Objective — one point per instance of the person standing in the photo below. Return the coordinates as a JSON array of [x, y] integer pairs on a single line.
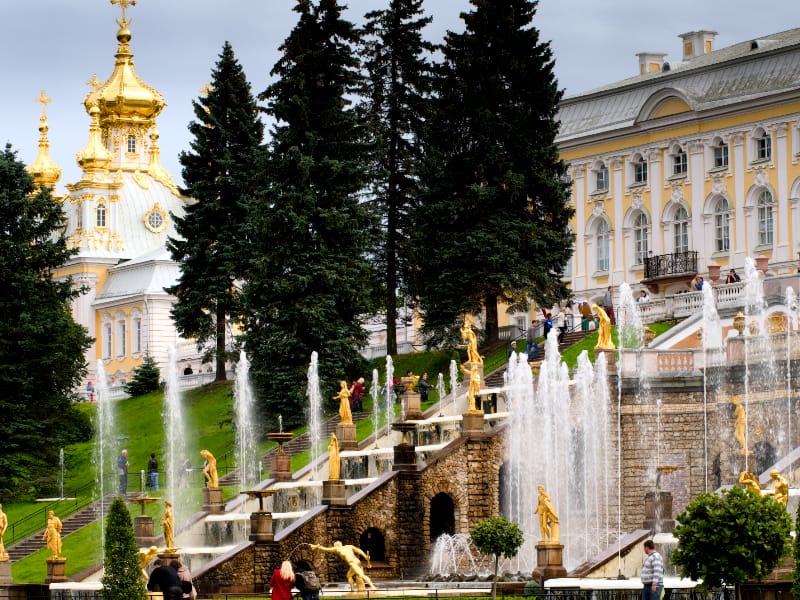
[[122, 472], [152, 472], [643, 297], [357, 395], [608, 304], [512, 350], [586, 315], [165, 579], [424, 388], [530, 337], [652, 572], [185, 576], [733, 277], [282, 581]]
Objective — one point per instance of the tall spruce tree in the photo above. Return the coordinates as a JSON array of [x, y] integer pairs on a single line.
[[398, 91], [42, 349], [220, 173], [493, 225], [122, 578], [310, 284]]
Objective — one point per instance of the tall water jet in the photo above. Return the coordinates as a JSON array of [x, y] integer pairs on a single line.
[[440, 390], [453, 387], [390, 393], [105, 446], [175, 431], [244, 411], [314, 416], [712, 352], [375, 394]]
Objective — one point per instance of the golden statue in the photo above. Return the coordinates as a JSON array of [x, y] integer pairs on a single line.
[[348, 554], [781, 490], [750, 481], [740, 425], [144, 559], [52, 534], [474, 387], [334, 466], [345, 416], [472, 344], [3, 527], [604, 341], [168, 527], [548, 519], [210, 469]]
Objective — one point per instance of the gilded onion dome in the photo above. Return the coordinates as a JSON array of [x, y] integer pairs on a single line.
[[44, 171], [94, 156], [125, 98]]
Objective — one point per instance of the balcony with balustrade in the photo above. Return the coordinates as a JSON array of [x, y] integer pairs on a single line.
[[668, 268]]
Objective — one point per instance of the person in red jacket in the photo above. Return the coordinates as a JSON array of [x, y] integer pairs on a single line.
[[357, 390], [282, 581]]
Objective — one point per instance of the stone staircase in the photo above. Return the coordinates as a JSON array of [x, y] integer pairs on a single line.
[[85, 516]]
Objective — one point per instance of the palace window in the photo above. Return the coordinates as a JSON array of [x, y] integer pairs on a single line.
[[100, 215], [765, 216], [722, 226], [107, 340], [121, 331], [641, 233], [640, 171], [601, 178], [680, 163], [763, 146], [720, 155], [680, 230], [603, 246], [131, 143], [136, 335]]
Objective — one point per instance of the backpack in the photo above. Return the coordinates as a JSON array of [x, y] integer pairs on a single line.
[[307, 581]]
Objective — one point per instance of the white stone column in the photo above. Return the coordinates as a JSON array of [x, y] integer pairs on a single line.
[[782, 249], [739, 158]]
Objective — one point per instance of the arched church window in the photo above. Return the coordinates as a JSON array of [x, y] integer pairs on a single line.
[[100, 215], [131, 143]]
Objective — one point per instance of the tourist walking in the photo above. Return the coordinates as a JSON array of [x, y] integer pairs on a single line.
[[282, 581], [152, 472], [122, 472], [530, 337], [652, 572], [424, 388]]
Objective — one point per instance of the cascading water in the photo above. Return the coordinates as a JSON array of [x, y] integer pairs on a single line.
[[105, 446], [314, 416], [791, 326], [175, 431], [244, 410], [712, 351]]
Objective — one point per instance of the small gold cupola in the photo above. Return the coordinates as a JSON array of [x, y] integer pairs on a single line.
[[95, 156], [44, 171]]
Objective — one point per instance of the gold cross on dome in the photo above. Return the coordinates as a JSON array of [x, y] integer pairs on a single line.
[[94, 82], [123, 4], [43, 100]]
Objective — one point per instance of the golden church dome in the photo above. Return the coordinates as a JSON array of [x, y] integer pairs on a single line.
[[44, 171], [125, 97], [94, 156]]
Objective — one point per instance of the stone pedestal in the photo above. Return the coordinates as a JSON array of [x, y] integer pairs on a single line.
[[143, 530], [346, 435], [56, 570], [405, 458], [412, 406], [282, 466], [261, 527], [472, 422], [334, 493], [549, 561], [611, 359], [212, 500], [5, 572], [658, 512]]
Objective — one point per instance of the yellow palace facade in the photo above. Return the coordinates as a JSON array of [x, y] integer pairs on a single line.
[[688, 167]]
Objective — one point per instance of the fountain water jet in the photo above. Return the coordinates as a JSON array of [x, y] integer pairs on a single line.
[[244, 409], [105, 446], [314, 416], [175, 432]]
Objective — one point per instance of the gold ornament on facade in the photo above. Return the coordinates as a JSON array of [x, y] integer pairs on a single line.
[[141, 179], [155, 219], [738, 322], [777, 323]]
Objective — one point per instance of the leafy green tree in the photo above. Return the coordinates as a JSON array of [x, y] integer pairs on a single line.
[[122, 577], [399, 86], [310, 284], [731, 537], [42, 349], [796, 555], [494, 220], [497, 536], [220, 173], [146, 377]]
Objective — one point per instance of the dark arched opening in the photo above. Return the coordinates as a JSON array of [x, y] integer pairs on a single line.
[[443, 519], [372, 542]]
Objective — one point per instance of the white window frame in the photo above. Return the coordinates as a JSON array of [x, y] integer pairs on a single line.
[[722, 225], [601, 178], [101, 215], [721, 155], [640, 171], [121, 337], [603, 239], [641, 238], [131, 144], [136, 335], [766, 218], [680, 230], [680, 163], [107, 339]]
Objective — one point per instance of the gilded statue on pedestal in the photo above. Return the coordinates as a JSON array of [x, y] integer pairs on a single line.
[[168, 527], [345, 416], [468, 335], [781, 490], [474, 386], [334, 465], [3, 527], [604, 341], [740, 425], [548, 519], [210, 469], [52, 534], [348, 554], [750, 481]]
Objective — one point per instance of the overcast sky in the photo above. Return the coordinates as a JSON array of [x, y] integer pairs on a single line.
[[57, 45]]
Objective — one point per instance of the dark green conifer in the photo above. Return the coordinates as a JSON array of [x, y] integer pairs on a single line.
[[122, 576]]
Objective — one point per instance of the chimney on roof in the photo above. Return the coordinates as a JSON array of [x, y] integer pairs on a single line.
[[650, 62], [697, 43]]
